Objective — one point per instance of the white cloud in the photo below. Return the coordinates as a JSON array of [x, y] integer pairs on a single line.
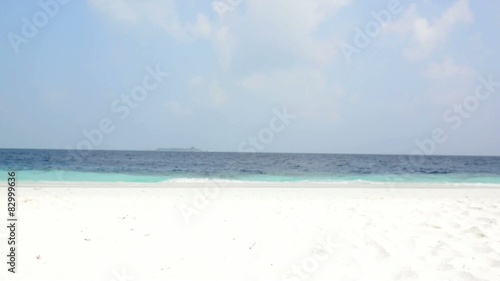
[[449, 82], [208, 92], [307, 92], [178, 109], [277, 26], [448, 70], [427, 35], [161, 14], [224, 45], [282, 54], [197, 81], [201, 28], [218, 96]]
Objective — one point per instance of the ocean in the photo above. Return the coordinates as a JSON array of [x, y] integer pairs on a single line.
[[157, 166]]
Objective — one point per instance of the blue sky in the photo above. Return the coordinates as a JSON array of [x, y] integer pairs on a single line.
[[412, 84]]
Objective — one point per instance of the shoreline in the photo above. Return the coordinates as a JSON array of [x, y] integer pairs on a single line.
[[255, 184]]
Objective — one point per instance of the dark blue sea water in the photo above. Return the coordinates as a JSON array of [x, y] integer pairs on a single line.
[[157, 166]]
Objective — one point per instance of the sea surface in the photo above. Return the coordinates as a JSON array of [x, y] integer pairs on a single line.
[[158, 166]]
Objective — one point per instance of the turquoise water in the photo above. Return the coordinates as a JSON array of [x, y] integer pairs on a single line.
[[72, 176]]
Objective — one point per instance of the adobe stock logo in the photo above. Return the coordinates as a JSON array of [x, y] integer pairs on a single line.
[[454, 117], [204, 196], [122, 108], [40, 19], [201, 200], [324, 250], [222, 7], [364, 37]]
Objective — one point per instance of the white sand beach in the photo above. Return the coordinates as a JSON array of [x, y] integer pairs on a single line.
[[170, 231]]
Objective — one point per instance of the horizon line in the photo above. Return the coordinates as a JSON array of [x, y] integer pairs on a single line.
[[257, 152]]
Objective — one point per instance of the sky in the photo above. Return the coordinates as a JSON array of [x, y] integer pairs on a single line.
[[314, 76]]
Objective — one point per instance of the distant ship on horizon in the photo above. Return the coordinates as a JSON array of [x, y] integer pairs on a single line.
[[191, 149]]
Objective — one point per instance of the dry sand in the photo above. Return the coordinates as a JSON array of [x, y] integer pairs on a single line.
[[236, 231]]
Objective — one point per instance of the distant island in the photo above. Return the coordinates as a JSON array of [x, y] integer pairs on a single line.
[[191, 149]]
